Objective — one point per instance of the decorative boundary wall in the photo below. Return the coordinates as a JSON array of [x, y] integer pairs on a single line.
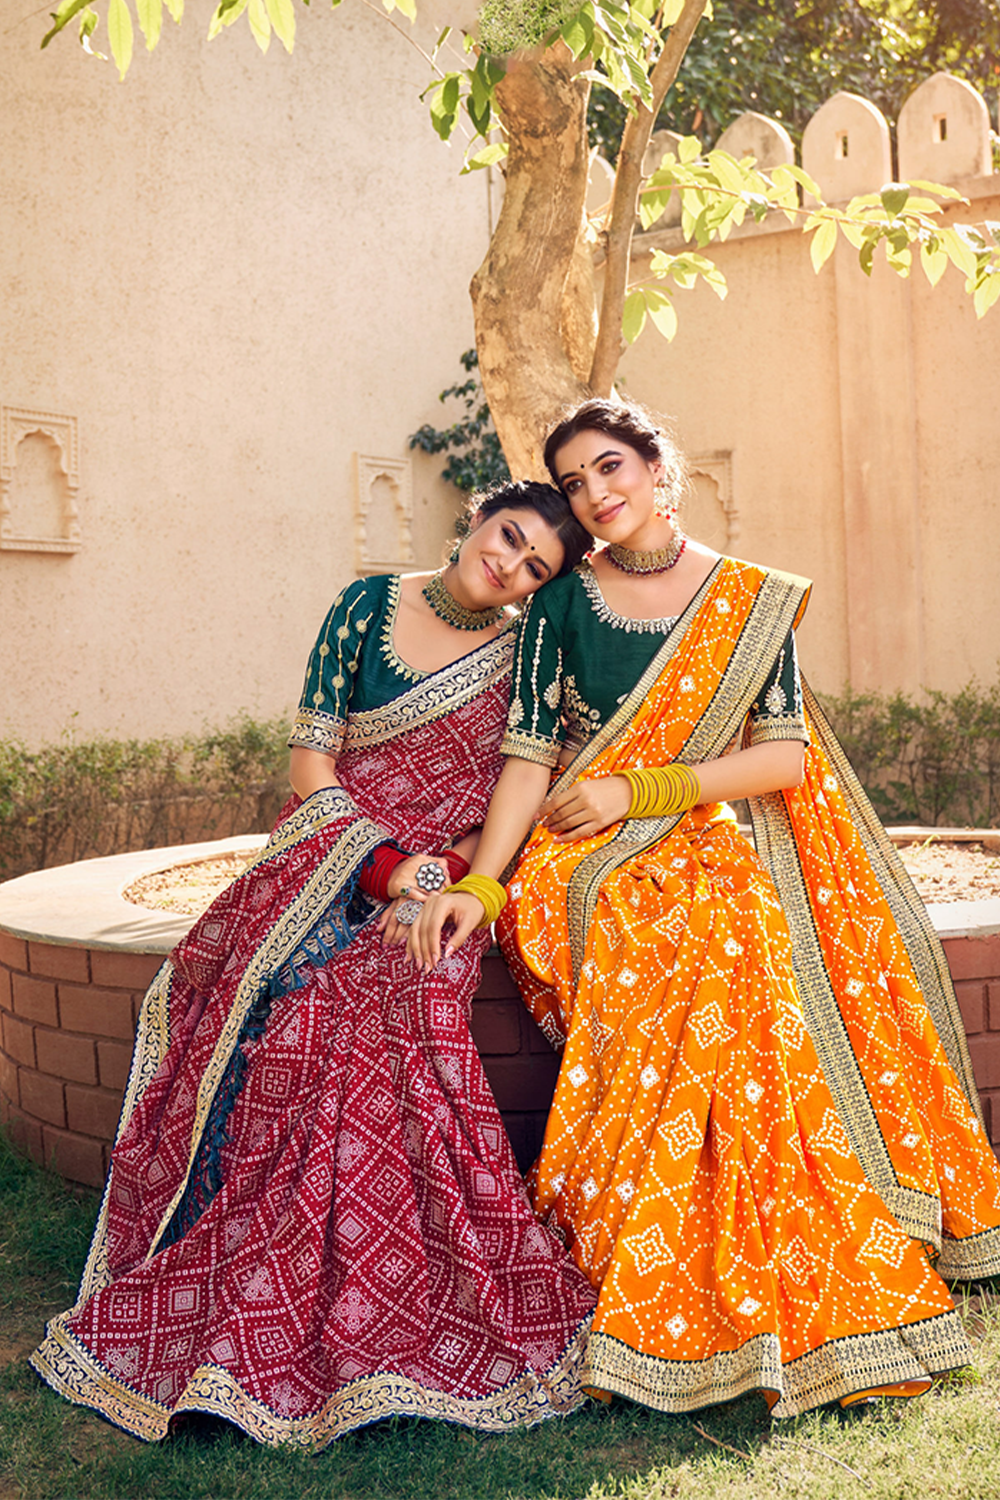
[[68, 1016]]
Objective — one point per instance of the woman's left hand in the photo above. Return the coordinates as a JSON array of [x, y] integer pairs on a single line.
[[403, 880], [587, 807], [394, 933]]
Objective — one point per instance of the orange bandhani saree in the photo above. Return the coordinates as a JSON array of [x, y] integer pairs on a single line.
[[765, 1131]]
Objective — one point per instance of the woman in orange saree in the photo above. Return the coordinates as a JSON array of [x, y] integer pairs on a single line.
[[765, 1146]]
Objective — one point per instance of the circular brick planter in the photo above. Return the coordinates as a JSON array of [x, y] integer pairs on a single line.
[[76, 958], [75, 962]]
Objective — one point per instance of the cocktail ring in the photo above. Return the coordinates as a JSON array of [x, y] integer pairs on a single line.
[[407, 913], [431, 877]]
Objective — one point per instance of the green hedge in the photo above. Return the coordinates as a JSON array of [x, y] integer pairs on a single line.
[[73, 800], [932, 761]]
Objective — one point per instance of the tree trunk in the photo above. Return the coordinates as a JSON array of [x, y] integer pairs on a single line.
[[533, 296]]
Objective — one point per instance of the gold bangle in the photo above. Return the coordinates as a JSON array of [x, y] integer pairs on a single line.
[[489, 892], [662, 791]]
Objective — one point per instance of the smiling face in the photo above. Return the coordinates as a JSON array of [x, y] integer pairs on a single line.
[[506, 556], [611, 488]]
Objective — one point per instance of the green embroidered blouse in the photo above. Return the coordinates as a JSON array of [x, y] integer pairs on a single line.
[[353, 667], [577, 660]]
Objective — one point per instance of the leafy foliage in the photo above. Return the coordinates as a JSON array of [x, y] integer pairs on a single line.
[[930, 761], [784, 58], [72, 801], [476, 459]]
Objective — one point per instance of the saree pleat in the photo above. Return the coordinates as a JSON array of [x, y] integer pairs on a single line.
[[313, 1218], [704, 1157]]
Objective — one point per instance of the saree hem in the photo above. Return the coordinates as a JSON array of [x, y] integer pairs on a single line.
[[842, 1367], [74, 1372]]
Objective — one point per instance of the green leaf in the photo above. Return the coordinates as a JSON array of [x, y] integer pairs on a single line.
[[664, 316], [260, 25], [823, 240], [651, 206], [938, 189], [408, 8], [958, 250], [150, 13], [282, 17], [633, 316], [689, 149], [986, 293], [62, 17], [866, 255], [578, 34], [176, 9], [444, 105], [226, 12], [894, 198], [488, 157], [120, 34]]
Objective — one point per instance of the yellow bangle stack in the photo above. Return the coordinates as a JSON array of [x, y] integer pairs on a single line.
[[490, 892], [659, 791]]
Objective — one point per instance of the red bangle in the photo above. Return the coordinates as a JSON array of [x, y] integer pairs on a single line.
[[374, 878], [457, 866]]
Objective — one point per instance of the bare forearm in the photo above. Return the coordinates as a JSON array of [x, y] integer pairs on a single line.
[[771, 767], [519, 794], [309, 771]]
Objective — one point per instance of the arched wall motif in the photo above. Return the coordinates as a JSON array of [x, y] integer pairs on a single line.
[[383, 514], [718, 467], [16, 424]]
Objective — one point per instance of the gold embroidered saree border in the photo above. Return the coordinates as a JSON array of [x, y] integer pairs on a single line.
[[433, 696], [358, 839], [921, 941], [776, 606], [918, 1213], [841, 1367], [70, 1368]]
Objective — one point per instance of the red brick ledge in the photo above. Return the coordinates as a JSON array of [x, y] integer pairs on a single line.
[[71, 986]]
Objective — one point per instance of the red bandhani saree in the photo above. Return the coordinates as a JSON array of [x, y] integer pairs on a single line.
[[765, 1130], [313, 1217]]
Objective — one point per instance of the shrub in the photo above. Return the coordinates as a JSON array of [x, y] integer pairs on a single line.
[[930, 761], [71, 801]]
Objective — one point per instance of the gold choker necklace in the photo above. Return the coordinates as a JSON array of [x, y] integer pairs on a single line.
[[659, 560], [448, 609]]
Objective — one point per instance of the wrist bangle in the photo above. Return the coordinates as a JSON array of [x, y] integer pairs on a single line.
[[487, 891], [458, 867], [374, 877], [661, 791]]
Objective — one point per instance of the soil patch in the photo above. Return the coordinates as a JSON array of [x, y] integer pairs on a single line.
[[940, 872]]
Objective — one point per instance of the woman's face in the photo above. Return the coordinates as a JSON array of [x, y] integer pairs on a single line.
[[609, 485], [507, 556]]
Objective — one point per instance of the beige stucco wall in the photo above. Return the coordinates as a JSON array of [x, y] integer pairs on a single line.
[[235, 273], [857, 417]]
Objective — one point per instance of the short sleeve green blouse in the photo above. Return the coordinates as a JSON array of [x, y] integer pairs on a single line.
[[352, 665], [577, 659]]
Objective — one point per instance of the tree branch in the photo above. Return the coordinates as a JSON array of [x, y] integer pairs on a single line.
[[625, 198]]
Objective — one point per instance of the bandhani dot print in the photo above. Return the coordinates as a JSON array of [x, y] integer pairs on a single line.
[[771, 1147]]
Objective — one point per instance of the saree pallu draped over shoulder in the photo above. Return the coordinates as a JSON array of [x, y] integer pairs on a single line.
[[765, 1127], [313, 1217]]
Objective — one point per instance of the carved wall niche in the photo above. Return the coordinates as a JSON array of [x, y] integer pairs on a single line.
[[39, 480], [709, 512], [383, 514]]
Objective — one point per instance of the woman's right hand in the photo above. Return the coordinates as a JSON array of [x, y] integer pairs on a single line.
[[424, 942]]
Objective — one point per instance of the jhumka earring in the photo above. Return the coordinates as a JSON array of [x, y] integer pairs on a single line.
[[664, 503]]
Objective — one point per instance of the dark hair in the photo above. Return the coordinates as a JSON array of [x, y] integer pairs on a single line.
[[630, 423], [546, 501]]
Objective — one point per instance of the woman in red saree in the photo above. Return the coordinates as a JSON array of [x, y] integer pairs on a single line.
[[765, 1147], [313, 1217]]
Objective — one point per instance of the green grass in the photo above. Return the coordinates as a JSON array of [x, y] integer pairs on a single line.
[[945, 1445]]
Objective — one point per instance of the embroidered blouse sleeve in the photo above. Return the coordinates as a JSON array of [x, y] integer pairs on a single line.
[[534, 731], [333, 664], [777, 714]]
